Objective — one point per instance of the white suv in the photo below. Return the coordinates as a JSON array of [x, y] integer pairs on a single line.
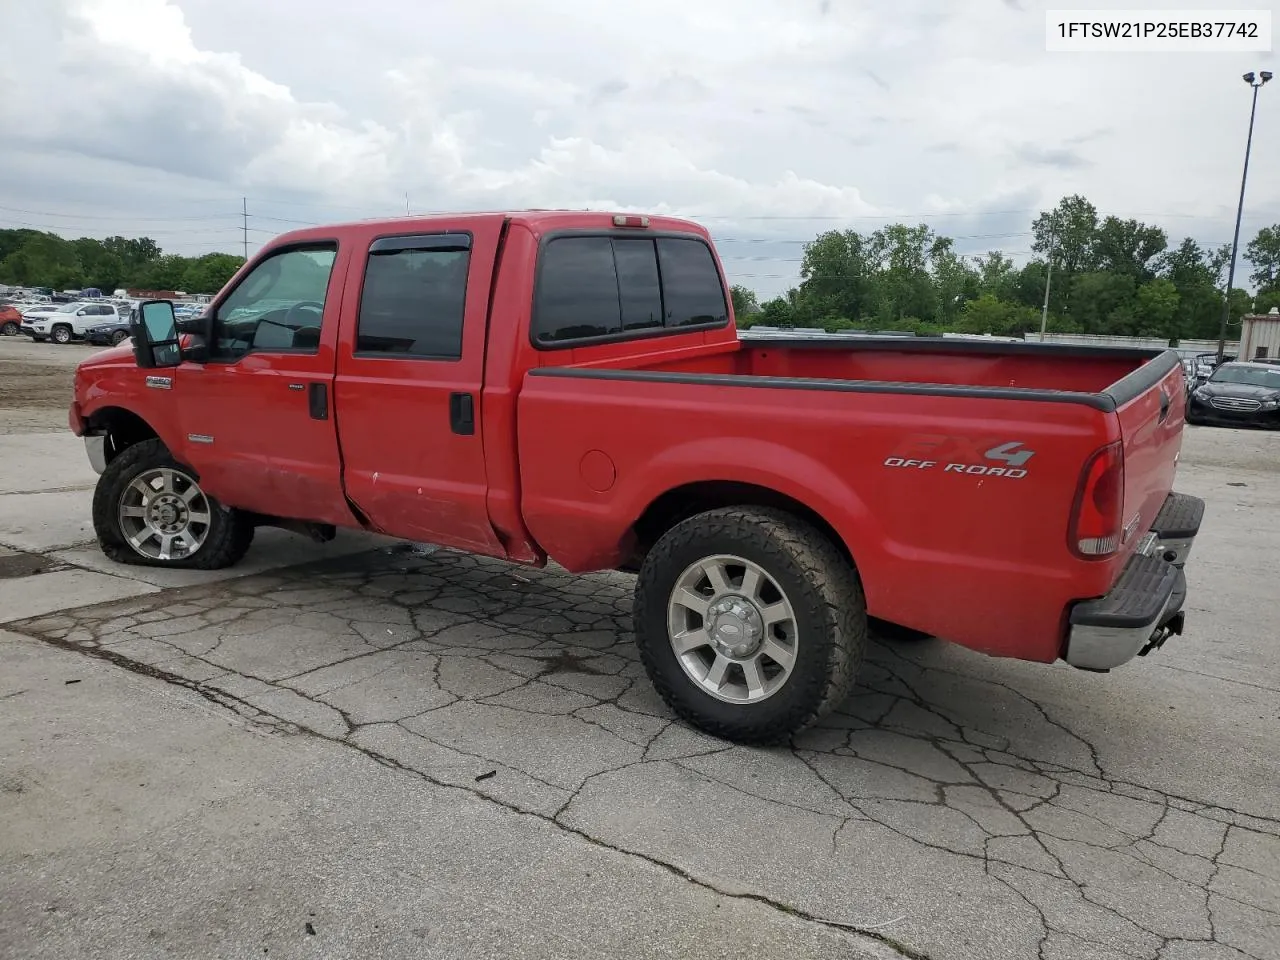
[[68, 322]]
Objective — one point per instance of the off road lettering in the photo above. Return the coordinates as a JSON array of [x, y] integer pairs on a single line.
[[971, 456]]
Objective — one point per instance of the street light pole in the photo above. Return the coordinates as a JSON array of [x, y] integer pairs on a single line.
[[1255, 83]]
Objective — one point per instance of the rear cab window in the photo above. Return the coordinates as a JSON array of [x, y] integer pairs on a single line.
[[601, 288]]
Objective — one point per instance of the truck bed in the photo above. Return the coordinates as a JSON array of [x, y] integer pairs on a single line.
[[914, 363], [886, 440]]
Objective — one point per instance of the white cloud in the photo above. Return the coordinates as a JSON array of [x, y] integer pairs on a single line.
[[729, 110]]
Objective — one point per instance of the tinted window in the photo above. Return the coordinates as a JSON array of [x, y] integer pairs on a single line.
[[412, 303], [577, 290], [597, 286], [638, 287], [690, 283], [277, 306]]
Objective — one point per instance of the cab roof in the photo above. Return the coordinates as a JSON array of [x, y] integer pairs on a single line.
[[537, 221]]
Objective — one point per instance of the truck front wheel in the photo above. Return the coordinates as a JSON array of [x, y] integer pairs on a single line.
[[750, 623], [149, 510]]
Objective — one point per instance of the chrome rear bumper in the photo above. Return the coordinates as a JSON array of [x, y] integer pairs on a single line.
[[1144, 606]]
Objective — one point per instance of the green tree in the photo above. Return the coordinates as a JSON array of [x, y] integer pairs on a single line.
[[1156, 309], [1070, 230], [166, 272], [1029, 283], [989, 314], [102, 268], [133, 253], [1263, 252], [835, 276], [1265, 300], [997, 276], [210, 273], [44, 260], [1194, 272], [904, 287], [1103, 302], [779, 312], [955, 282], [1127, 246]]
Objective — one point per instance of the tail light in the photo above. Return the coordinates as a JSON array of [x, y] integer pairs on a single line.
[[1097, 517]]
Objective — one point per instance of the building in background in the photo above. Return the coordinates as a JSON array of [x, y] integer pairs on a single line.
[[1260, 336]]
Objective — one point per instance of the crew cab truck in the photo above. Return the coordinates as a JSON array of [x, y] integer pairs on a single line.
[[570, 387]]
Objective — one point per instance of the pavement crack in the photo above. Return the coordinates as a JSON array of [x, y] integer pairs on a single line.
[[274, 722]]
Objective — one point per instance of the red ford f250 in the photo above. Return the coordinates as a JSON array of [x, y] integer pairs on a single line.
[[571, 387]]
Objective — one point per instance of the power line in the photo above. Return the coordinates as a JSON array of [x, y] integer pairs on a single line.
[[117, 218]]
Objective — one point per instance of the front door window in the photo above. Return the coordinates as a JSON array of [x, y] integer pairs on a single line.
[[277, 307]]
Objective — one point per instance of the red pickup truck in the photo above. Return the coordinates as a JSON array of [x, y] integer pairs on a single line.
[[570, 386]]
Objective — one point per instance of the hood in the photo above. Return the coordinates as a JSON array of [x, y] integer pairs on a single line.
[[117, 356]]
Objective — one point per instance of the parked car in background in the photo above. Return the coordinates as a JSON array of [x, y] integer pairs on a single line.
[[1238, 395], [10, 321], [110, 333], [67, 322], [31, 312]]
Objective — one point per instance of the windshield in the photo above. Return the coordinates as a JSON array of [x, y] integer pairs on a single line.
[[68, 308], [1254, 376]]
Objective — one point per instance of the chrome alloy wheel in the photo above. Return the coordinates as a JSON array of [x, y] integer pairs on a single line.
[[164, 514], [733, 629]]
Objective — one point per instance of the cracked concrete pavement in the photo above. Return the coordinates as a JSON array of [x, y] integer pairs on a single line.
[[430, 754]]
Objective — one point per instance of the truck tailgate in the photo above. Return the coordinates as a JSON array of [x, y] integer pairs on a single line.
[[1151, 422]]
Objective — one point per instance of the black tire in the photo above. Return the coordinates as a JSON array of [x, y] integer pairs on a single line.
[[10, 329], [118, 336], [230, 532], [61, 333], [824, 591]]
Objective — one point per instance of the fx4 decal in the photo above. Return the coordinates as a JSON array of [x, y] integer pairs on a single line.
[[971, 456]]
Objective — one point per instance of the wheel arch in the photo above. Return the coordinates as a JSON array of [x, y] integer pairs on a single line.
[[121, 427], [689, 499]]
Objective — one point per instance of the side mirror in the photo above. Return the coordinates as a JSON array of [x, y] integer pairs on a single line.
[[154, 330]]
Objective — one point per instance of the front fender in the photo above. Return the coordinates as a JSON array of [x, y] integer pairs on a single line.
[[116, 391]]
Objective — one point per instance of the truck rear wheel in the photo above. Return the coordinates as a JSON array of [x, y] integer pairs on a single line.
[[750, 623], [149, 510]]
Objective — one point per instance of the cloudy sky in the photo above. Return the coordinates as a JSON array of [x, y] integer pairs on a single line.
[[769, 120]]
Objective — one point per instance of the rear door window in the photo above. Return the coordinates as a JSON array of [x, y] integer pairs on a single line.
[[414, 297]]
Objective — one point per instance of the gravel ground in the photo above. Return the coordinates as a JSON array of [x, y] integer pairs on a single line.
[[35, 383]]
